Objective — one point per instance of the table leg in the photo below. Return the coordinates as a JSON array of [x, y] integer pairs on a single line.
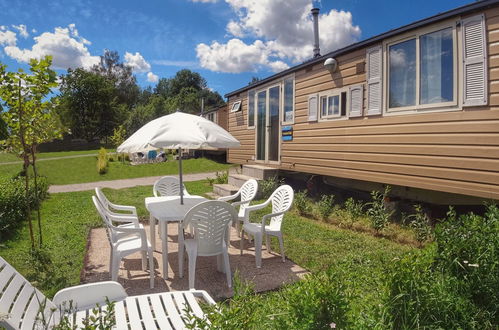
[[164, 244], [152, 225]]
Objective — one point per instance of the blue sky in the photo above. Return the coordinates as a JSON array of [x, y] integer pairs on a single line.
[[227, 41]]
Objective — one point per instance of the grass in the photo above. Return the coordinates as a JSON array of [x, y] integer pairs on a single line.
[[359, 258], [83, 169], [9, 157], [66, 221]]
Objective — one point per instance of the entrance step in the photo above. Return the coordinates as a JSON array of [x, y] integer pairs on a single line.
[[239, 179], [212, 195], [224, 189], [260, 172]]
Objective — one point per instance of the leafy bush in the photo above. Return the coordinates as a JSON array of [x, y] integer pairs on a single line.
[[325, 206], [468, 247], [353, 210], [420, 224], [13, 204], [423, 297], [377, 210], [316, 302], [302, 203], [222, 177], [453, 283], [102, 161], [269, 185]]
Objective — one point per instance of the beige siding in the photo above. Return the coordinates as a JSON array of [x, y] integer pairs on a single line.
[[455, 151]]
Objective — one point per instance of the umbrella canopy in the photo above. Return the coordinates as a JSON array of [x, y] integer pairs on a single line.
[[179, 130]]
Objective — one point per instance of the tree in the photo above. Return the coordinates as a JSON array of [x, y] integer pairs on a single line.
[[185, 90], [30, 119], [121, 75], [88, 104]]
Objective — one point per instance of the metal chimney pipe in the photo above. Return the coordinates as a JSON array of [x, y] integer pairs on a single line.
[[315, 14]]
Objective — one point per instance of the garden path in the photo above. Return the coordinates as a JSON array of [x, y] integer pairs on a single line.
[[123, 183]]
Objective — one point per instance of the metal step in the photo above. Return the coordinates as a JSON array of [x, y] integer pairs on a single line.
[[260, 172], [224, 189]]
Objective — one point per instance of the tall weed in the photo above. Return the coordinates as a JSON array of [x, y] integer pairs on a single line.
[[325, 206], [269, 185], [302, 203], [378, 212]]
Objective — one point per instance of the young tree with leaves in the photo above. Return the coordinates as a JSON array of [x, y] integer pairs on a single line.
[[30, 119]]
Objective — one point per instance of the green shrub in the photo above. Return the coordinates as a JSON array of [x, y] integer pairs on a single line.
[[468, 247], [316, 302], [420, 224], [269, 185], [102, 161], [302, 203], [325, 206], [222, 177], [355, 208], [377, 210], [13, 204], [422, 297]]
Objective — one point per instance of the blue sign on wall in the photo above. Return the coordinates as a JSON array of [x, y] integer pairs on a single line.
[[287, 133]]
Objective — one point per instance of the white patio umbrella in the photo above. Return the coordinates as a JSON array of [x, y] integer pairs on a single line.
[[179, 131]]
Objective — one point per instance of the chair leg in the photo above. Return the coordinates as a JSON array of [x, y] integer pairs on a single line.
[[237, 228], [192, 270], [111, 258], [220, 266], [267, 242], [281, 246], [151, 267], [258, 250], [241, 242], [181, 260], [116, 267], [144, 259], [227, 268]]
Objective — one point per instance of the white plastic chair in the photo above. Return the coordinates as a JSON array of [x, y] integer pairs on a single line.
[[20, 304], [129, 216], [281, 199], [125, 241], [247, 192], [211, 222], [168, 186]]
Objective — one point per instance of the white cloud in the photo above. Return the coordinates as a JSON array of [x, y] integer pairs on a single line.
[[151, 77], [22, 30], [137, 62], [7, 38], [67, 48], [236, 56], [283, 32]]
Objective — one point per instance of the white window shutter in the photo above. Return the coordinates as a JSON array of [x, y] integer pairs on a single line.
[[312, 107], [374, 80], [356, 101], [474, 61]]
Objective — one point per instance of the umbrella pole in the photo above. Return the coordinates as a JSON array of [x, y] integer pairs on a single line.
[[180, 176]]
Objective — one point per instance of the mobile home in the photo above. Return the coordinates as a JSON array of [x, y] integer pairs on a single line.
[[416, 107]]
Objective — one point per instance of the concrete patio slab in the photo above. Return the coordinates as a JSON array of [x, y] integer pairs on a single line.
[[273, 274]]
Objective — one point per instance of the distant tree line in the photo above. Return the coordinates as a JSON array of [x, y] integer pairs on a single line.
[[93, 103]]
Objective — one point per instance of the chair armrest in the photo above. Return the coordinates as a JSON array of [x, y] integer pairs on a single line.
[[241, 202], [257, 206], [85, 296], [131, 209], [270, 215], [124, 218], [228, 198]]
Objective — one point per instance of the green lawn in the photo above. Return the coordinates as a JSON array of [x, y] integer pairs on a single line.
[[8, 157], [83, 169], [67, 217], [66, 221]]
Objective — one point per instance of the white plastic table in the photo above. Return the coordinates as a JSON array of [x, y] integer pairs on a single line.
[[168, 209]]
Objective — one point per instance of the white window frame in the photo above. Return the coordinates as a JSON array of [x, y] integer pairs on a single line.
[[214, 114], [254, 109], [443, 106], [236, 106], [329, 93], [283, 119]]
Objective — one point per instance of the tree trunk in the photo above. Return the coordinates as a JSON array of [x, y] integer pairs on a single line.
[[26, 169], [37, 197]]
